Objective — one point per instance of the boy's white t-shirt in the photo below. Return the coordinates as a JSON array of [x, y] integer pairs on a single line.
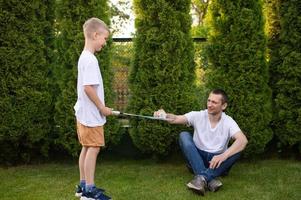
[[206, 138], [86, 111]]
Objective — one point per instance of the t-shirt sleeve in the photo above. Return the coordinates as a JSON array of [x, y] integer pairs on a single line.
[[234, 128], [191, 118], [91, 74]]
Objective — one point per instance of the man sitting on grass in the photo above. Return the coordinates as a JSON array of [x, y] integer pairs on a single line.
[[207, 151]]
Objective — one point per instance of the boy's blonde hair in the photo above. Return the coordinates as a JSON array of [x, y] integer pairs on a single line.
[[92, 25]]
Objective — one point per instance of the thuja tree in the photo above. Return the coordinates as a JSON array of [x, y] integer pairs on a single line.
[[271, 8], [285, 64], [25, 97], [236, 55], [163, 71], [71, 16]]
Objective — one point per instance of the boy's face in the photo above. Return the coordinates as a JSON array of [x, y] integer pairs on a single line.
[[100, 38]]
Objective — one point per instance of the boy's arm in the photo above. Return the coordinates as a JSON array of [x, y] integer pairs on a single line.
[[91, 93]]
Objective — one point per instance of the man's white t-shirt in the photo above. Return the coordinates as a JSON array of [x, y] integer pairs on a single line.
[[206, 138], [86, 111]]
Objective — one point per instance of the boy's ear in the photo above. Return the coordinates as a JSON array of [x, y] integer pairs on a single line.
[[94, 35]]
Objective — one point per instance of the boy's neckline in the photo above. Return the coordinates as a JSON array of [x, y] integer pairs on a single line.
[[88, 50]]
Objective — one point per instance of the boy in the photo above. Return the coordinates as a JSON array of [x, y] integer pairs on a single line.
[[90, 109]]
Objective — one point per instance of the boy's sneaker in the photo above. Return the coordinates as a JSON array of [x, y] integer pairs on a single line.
[[95, 194], [78, 191]]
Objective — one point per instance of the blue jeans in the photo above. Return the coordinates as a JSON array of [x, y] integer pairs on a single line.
[[199, 160]]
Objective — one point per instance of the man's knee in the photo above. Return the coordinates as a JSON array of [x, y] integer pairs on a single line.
[[233, 159], [185, 136], [185, 139]]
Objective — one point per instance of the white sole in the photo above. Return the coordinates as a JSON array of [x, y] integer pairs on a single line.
[[198, 190], [189, 185], [85, 198], [216, 188], [78, 195]]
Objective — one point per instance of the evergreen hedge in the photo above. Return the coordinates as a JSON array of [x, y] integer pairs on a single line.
[[163, 71], [71, 16], [285, 64], [236, 55], [26, 102]]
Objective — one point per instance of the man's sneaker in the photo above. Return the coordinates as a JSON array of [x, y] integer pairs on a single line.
[[214, 185], [95, 194], [78, 191], [198, 184]]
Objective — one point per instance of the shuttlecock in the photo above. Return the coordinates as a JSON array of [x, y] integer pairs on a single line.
[[161, 114]]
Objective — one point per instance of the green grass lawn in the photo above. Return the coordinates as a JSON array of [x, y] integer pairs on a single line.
[[150, 180]]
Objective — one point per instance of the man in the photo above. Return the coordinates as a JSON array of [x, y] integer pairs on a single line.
[[207, 151]]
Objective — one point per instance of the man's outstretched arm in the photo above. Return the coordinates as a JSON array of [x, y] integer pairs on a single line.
[[171, 118], [176, 119]]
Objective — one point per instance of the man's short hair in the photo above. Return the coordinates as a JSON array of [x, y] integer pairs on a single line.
[[92, 25], [221, 92]]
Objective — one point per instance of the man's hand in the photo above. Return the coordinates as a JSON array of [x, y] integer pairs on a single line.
[[160, 114], [167, 116], [217, 160], [170, 118], [106, 111]]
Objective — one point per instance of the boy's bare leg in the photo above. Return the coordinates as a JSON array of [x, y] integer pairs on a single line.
[[90, 164], [81, 162]]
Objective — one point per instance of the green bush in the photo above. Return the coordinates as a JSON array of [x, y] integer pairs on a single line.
[[236, 55], [285, 68], [163, 71], [26, 102], [71, 16]]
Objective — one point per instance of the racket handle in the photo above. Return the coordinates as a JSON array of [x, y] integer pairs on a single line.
[[115, 112]]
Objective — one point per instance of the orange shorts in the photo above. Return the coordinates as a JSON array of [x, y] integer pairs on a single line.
[[90, 136]]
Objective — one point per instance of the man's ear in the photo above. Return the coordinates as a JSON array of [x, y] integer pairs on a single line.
[[224, 106]]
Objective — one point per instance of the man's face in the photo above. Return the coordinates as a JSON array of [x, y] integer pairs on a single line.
[[100, 39], [214, 104]]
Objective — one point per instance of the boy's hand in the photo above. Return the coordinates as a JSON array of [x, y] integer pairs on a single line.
[[106, 111]]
